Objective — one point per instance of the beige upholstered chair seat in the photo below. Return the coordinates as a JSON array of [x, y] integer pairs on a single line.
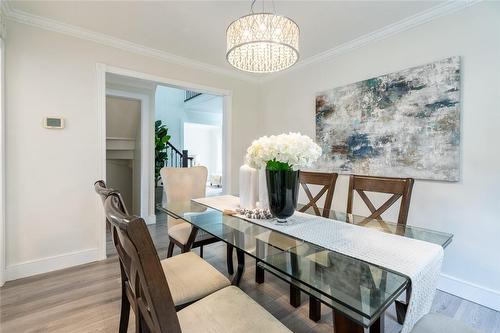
[[180, 231], [191, 278], [226, 311], [436, 323], [279, 240], [171, 222]]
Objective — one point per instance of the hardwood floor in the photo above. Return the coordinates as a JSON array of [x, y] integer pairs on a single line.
[[87, 298]]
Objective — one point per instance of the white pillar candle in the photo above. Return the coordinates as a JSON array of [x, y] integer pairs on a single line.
[[248, 187], [263, 196]]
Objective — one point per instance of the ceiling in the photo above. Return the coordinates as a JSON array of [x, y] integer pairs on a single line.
[[196, 29]]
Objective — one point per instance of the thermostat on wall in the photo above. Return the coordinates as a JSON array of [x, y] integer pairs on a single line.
[[53, 122]]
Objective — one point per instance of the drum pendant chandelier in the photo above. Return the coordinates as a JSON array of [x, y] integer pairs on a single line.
[[262, 42]]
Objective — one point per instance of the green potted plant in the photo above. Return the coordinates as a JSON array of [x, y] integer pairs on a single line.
[[161, 156]]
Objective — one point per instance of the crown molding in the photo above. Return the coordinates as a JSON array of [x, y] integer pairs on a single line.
[[104, 39], [413, 21], [410, 22]]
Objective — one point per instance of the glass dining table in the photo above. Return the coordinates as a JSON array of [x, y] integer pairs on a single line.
[[359, 292]]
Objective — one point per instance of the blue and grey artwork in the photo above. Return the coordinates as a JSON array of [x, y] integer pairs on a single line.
[[403, 124]]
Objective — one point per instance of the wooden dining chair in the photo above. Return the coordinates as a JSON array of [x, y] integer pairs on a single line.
[[149, 294], [398, 187], [306, 178], [189, 276], [328, 181]]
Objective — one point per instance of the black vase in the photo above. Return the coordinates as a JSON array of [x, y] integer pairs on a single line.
[[283, 192]]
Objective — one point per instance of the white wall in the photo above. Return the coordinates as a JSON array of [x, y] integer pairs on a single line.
[[171, 109], [52, 210], [470, 208], [204, 143]]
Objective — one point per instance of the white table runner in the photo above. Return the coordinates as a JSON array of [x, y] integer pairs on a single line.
[[420, 261]]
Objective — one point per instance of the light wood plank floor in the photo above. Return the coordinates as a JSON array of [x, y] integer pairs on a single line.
[[87, 299]]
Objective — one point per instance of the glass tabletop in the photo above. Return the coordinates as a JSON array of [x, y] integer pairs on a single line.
[[437, 237], [358, 289]]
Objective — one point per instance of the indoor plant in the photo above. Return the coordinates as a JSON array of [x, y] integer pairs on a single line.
[[282, 156], [161, 156]]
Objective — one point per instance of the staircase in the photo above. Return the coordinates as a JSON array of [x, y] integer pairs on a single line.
[[178, 158]]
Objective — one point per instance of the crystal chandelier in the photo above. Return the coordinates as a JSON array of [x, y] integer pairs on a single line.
[[262, 42]]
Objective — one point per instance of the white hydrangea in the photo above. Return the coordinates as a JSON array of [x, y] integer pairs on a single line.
[[298, 150]]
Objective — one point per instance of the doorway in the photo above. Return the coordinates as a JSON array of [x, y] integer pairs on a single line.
[[123, 149], [195, 126], [141, 86], [204, 143]]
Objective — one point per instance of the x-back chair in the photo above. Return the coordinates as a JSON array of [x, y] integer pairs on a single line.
[[306, 178], [398, 187]]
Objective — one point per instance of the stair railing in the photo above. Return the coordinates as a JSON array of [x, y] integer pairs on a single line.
[[178, 158]]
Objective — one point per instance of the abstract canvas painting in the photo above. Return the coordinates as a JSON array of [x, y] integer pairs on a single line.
[[403, 124]]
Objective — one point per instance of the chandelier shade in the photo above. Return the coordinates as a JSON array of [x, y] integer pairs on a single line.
[[262, 43]]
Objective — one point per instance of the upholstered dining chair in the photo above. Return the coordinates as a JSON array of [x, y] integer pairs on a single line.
[[184, 184], [149, 291], [189, 276], [437, 323], [398, 187]]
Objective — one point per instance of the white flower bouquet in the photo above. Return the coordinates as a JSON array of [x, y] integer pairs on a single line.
[[290, 151]]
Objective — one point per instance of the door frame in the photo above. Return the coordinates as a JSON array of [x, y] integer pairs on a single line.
[[101, 71], [3, 251]]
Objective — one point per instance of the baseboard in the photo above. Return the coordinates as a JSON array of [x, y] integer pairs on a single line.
[[49, 264], [470, 291], [151, 219]]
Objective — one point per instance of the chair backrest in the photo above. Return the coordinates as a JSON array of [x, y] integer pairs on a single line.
[[328, 180], [398, 187], [103, 191], [146, 284], [184, 184]]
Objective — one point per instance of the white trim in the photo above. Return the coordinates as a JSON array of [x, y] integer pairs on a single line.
[[470, 291], [2, 163], [413, 21], [227, 131], [151, 219], [49, 264], [104, 39], [101, 153], [166, 81], [102, 69]]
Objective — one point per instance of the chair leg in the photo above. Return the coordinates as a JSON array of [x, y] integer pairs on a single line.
[[125, 311], [259, 274], [229, 259], [314, 309], [144, 326], [170, 250], [201, 251], [259, 252], [294, 296], [138, 322]]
